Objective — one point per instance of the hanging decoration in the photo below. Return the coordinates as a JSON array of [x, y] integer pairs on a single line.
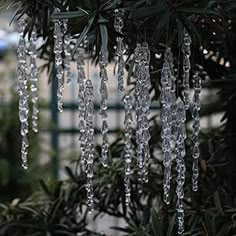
[[58, 50], [128, 103], [34, 79], [22, 89], [103, 62], [180, 164], [196, 128], [168, 119], [118, 25], [81, 103], [186, 50], [142, 104], [67, 52]]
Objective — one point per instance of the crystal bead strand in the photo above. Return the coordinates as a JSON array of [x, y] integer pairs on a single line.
[[142, 104], [67, 51], [81, 102], [128, 103], [168, 120], [103, 62], [196, 129], [186, 67], [22, 89], [34, 79], [180, 164], [58, 49], [118, 25], [90, 143]]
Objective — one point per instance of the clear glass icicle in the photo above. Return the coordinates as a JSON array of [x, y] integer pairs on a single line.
[[186, 50], [168, 120], [34, 79], [67, 52], [58, 49], [103, 62], [142, 104], [90, 143], [180, 164], [81, 102], [128, 103], [118, 25], [22, 89], [196, 129]]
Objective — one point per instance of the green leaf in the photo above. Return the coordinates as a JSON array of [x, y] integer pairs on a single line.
[[69, 15], [156, 224], [197, 11], [84, 33], [104, 35], [171, 225]]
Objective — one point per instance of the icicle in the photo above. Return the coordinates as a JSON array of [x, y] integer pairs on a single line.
[[186, 67], [196, 129], [67, 51], [34, 79], [81, 103], [142, 104], [180, 164], [90, 144], [22, 89], [103, 62], [128, 102], [58, 49], [118, 25], [168, 120]]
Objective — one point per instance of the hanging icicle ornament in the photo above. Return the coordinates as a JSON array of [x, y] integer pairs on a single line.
[[128, 103], [103, 62], [142, 104], [186, 50], [118, 25], [81, 103], [168, 120], [180, 164], [196, 128], [58, 50], [90, 143], [67, 52], [22, 89], [34, 79]]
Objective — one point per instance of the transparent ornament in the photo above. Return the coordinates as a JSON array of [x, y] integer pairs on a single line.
[[103, 62], [142, 104], [58, 50], [118, 25], [34, 79], [186, 50], [196, 129], [22, 90]]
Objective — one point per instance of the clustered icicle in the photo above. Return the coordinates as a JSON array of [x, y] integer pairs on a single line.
[[81, 103], [142, 104], [128, 102], [196, 128], [58, 49], [86, 125], [34, 79], [103, 62], [22, 89], [168, 120], [180, 164], [119, 24], [90, 143], [67, 52], [186, 50]]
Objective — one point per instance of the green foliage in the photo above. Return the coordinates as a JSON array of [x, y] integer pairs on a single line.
[[212, 210]]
